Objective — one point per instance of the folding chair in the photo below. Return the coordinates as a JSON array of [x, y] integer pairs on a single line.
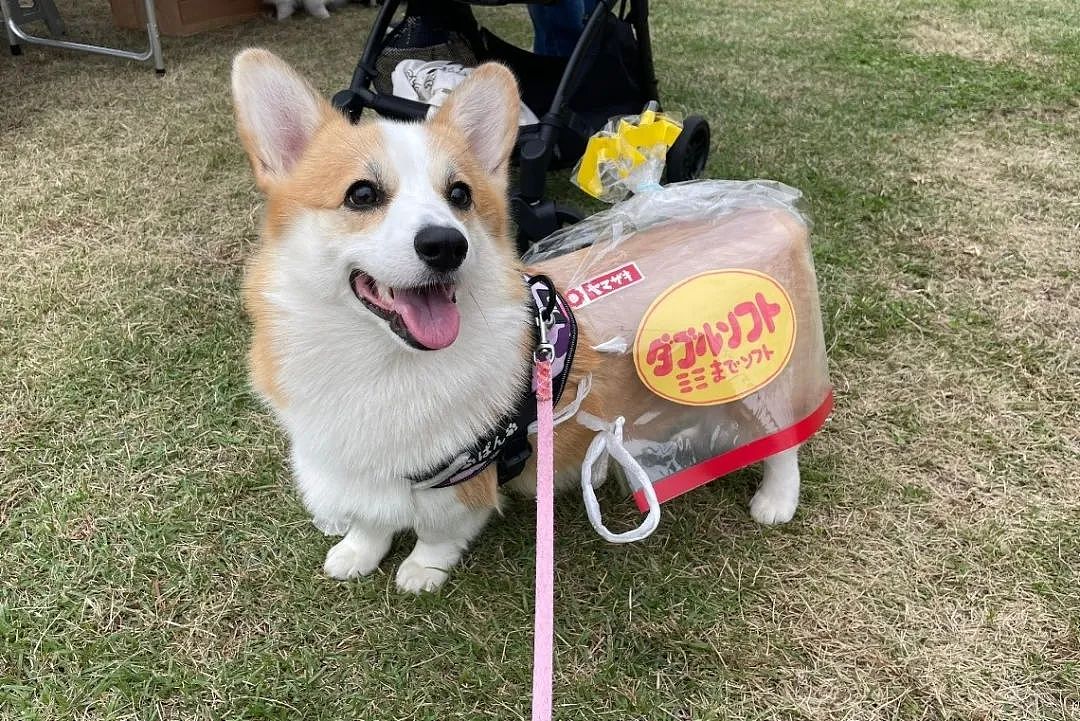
[[18, 12]]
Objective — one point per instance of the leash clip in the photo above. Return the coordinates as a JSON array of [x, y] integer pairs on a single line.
[[544, 351], [545, 319]]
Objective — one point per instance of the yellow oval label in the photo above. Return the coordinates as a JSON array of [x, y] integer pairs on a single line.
[[715, 337]]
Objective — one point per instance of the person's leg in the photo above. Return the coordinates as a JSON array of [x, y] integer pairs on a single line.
[[556, 28]]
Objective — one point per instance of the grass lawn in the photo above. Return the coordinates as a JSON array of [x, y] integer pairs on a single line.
[[155, 562]]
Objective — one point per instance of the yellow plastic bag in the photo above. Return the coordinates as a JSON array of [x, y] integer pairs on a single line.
[[626, 155]]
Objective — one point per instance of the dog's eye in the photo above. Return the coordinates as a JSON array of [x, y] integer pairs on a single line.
[[459, 195], [362, 195]]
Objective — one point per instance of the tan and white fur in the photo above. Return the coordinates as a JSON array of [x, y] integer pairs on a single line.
[[363, 408]]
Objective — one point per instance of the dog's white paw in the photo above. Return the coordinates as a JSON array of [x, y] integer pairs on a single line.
[[771, 506], [415, 578], [349, 559], [284, 10], [778, 495], [317, 8]]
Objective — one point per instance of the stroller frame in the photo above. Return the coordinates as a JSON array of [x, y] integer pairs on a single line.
[[536, 148]]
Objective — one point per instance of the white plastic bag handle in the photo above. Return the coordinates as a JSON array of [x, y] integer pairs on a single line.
[[610, 441]]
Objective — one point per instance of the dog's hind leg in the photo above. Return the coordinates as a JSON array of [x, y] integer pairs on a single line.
[[778, 495]]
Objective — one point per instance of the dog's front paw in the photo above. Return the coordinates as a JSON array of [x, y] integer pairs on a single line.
[[415, 578], [771, 506], [349, 559]]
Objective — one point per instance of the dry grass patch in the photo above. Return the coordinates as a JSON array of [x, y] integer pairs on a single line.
[[1005, 245], [967, 38], [1007, 235], [937, 588], [930, 601]]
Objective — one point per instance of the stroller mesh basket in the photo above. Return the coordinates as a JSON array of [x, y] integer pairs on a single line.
[[417, 38]]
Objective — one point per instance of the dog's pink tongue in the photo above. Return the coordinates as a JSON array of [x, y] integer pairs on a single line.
[[430, 315]]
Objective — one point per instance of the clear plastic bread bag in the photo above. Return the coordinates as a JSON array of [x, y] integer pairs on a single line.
[[702, 295]]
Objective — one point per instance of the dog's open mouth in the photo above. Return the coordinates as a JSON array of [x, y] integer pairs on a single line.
[[424, 317]]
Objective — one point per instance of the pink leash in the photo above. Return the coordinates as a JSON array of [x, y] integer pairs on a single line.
[[544, 624]]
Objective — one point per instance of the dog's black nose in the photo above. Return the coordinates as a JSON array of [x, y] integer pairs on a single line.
[[441, 248]]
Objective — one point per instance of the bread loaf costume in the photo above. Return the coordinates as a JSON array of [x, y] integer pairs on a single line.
[[704, 295]]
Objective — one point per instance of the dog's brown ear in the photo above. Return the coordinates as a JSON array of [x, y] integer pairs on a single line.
[[277, 113], [485, 107]]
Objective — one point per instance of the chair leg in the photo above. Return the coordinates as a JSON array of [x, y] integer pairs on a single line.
[[17, 35], [154, 37], [13, 42]]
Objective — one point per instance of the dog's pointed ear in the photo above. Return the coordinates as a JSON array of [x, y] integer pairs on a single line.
[[485, 108], [277, 113]]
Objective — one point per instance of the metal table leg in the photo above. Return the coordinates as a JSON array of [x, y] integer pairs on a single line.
[[16, 33]]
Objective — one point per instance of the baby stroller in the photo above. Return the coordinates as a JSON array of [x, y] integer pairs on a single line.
[[610, 73]]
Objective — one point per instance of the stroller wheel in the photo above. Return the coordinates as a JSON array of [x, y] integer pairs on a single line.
[[687, 157]]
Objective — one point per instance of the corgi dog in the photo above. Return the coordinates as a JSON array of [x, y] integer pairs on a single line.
[[391, 324]]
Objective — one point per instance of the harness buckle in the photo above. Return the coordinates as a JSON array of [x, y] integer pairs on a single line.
[[513, 458]]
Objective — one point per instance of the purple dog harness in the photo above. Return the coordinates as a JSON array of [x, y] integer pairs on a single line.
[[508, 443]]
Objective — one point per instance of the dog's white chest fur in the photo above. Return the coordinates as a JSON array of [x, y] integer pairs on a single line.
[[363, 411]]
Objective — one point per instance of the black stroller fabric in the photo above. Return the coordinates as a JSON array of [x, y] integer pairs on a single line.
[[610, 86]]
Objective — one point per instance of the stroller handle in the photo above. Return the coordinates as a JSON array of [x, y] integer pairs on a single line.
[[353, 101]]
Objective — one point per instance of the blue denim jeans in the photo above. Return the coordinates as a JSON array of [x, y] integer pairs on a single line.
[[556, 28]]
